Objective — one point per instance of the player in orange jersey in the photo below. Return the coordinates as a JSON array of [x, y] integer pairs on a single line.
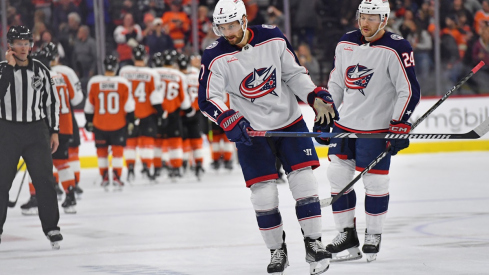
[[74, 86], [148, 95], [109, 111], [222, 148], [192, 123], [176, 100], [60, 157]]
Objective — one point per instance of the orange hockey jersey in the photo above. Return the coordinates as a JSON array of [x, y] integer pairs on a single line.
[[146, 89], [174, 86], [109, 100]]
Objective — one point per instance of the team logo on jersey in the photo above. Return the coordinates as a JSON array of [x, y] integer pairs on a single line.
[[36, 82], [259, 83], [357, 77]]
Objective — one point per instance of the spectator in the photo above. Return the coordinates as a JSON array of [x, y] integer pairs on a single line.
[[46, 38], [67, 36], [127, 36], [480, 50], [472, 6], [84, 56], [481, 17], [253, 14], [451, 39], [203, 23], [158, 40], [453, 30], [147, 24], [458, 8], [178, 24], [305, 21], [88, 13], [407, 25], [275, 17], [60, 14], [422, 45], [208, 40], [310, 62], [45, 7], [155, 7]]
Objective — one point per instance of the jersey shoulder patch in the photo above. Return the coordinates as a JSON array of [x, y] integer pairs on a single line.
[[213, 45], [396, 36]]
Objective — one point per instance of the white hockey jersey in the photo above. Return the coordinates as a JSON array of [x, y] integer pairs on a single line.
[[375, 82], [72, 81], [262, 79]]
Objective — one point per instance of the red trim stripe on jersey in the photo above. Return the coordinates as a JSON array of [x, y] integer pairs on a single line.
[[377, 196], [313, 163]]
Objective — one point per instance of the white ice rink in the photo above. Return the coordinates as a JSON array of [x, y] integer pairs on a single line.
[[437, 223]]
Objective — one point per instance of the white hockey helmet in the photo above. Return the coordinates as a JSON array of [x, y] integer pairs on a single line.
[[380, 7], [227, 11]]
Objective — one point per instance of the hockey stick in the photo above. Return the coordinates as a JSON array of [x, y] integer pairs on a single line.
[[13, 203], [329, 201], [475, 133]]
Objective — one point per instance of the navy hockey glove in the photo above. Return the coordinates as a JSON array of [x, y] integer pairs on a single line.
[[322, 102], [322, 129], [398, 127], [235, 126]]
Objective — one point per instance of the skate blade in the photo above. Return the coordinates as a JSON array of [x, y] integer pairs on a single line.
[[55, 245], [69, 210], [352, 254], [319, 267], [30, 212], [371, 257]]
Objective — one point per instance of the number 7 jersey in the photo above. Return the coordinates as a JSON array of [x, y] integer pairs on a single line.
[[109, 99]]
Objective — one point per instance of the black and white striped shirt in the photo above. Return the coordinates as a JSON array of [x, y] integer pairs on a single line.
[[27, 94]]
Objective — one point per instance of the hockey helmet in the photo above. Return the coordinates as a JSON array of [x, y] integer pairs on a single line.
[[43, 56], [182, 61], [157, 60], [51, 50], [19, 32], [169, 57], [380, 7], [227, 11], [111, 63], [139, 52]]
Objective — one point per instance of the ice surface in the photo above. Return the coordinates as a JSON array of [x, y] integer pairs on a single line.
[[437, 223]]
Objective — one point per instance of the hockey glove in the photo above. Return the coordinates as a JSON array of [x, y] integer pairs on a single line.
[[130, 128], [321, 129], [398, 127], [162, 121], [235, 127], [89, 126], [322, 102]]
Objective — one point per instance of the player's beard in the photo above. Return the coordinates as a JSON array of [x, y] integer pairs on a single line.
[[234, 39]]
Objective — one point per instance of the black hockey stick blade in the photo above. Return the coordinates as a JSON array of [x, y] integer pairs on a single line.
[[476, 133], [12, 204]]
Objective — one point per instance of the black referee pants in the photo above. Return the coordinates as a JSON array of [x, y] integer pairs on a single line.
[[31, 141]]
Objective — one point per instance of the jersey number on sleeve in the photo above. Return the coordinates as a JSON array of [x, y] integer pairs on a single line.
[[140, 92], [63, 98], [111, 105], [408, 59]]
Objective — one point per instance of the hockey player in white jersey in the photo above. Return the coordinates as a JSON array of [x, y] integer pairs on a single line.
[[374, 77], [257, 67]]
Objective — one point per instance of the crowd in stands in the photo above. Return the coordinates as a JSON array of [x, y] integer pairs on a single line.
[[316, 27]]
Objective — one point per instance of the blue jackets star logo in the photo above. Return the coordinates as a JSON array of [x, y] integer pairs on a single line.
[[357, 77], [259, 83]]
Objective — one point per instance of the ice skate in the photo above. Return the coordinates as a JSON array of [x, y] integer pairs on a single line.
[[228, 165], [54, 236], [216, 165], [278, 261], [184, 167], [317, 256], [78, 191], [116, 181], [345, 246], [70, 201], [157, 172], [174, 174], [130, 173], [105, 181], [146, 173], [30, 208], [199, 170], [59, 191], [371, 246]]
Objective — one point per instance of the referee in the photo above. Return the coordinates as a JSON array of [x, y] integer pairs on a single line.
[[29, 123]]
